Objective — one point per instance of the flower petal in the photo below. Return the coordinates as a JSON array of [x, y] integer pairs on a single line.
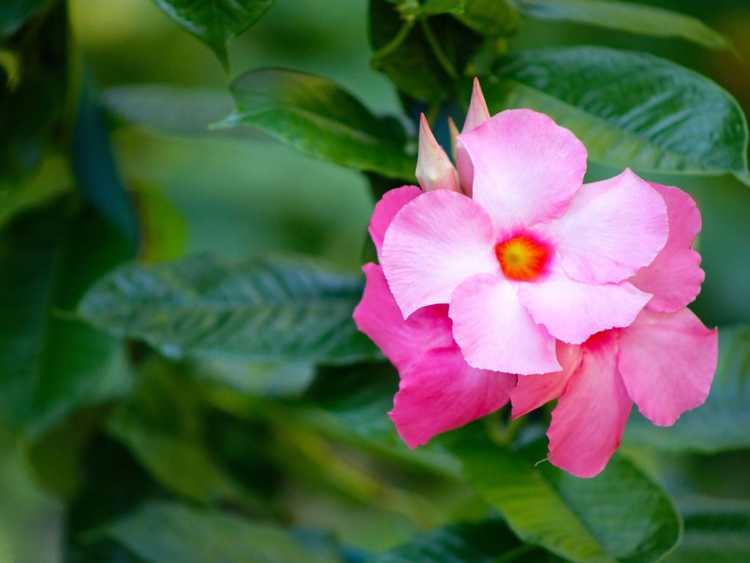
[[434, 171], [590, 417], [526, 167], [495, 332], [402, 341], [533, 391], [441, 392], [572, 311], [386, 209], [675, 276], [433, 244], [611, 229], [667, 362]]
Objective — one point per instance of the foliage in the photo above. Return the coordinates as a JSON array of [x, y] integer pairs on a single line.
[[172, 388]]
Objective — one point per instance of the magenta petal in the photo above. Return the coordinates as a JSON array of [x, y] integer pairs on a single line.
[[402, 342], [433, 244], [386, 209], [667, 362], [675, 276], [590, 417], [572, 311], [526, 168], [495, 332], [611, 230], [441, 392], [533, 391]]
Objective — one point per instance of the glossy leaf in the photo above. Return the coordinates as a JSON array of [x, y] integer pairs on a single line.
[[487, 541], [215, 21], [316, 116], [630, 109], [14, 13], [188, 535], [50, 364], [579, 519], [716, 530], [259, 310], [722, 422], [634, 18]]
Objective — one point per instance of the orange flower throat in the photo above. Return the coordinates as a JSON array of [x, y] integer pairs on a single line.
[[522, 257]]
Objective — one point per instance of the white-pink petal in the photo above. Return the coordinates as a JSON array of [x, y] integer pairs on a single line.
[[572, 311], [667, 362], [611, 230], [674, 277], [590, 417], [495, 332], [441, 392], [433, 244], [386, 209], [526, 168]]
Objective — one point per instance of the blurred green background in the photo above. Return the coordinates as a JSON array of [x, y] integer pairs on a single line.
[[246, 195]]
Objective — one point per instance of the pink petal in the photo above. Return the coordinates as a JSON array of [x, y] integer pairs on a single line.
[[386, 209], [533, 391], [590, 417], [675, 276], [441, 392], [611, 229], [434, 171], [572, 311], [526, 167], [495, 332], [433, 244], [402, 341], [668, 361]]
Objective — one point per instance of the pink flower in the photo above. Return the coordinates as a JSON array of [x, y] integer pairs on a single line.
[[438, 390], [664, 362], [532, 256], [509, 265]]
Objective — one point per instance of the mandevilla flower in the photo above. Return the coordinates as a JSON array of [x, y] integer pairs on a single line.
[[509, 270]]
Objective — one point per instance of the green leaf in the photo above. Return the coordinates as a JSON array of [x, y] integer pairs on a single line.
[[490, 17], [633, 18], [621, 515], [630, 109], [14, 13], [722, 422], [95, 169], [215, 21], [716, 530], [423, 58], [50, 364], [316, 116], [488, 541], [260, 310], [187, 535], [163, 426]]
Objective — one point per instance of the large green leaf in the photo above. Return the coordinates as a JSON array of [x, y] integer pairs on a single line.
[[49, 364], [621, 515], [630, 109], [722, 422], [187, 535], [256, 310], [215, 21], [716, 530], [14, 13], [634, 18], [316, 116], [488, 541]]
